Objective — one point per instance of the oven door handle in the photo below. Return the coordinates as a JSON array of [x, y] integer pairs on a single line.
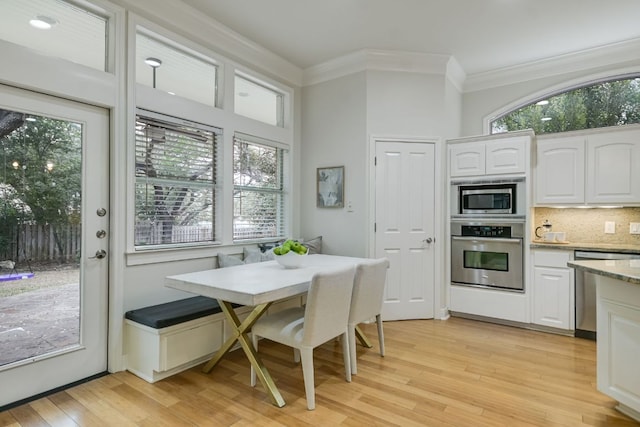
[[486, 239]]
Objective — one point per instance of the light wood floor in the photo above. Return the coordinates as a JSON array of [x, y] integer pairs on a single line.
[[457, 372]]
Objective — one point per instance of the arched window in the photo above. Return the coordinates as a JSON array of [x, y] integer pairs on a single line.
[[609, 103]]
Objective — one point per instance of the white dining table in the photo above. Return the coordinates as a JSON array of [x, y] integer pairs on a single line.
[[257, 285]]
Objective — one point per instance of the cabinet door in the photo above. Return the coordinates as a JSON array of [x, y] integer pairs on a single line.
[[467, 159], [612, 164], [506, 156], [559, 171], [618, 314], [552, 297]]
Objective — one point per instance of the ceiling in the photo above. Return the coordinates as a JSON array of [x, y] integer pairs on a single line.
[[482, 35]]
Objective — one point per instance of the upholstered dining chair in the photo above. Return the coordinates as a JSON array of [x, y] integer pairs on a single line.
[[366, 302], [323, 318]]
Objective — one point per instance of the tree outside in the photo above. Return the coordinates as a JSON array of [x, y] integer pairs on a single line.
[[257, 178], [40, 178], [612, 103]]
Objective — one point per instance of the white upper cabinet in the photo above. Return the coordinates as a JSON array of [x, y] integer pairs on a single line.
[[491, 156], [589, 168], [560, 170], [506, 156], [467, 159], [613, 165]]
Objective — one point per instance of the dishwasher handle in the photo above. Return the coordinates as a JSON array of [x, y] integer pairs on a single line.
[[604, 255]]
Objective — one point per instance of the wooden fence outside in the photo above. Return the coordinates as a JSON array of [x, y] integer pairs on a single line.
[[43, 243]]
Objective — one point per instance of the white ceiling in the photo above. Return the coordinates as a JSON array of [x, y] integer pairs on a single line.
[[482, 35]]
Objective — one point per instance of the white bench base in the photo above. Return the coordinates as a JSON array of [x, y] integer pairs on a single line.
[[154, 354]]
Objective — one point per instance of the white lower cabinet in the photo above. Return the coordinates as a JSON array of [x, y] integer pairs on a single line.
[[618, 312], [553, 289]]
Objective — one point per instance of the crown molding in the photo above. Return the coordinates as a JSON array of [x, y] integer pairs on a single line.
[[601, 56], [384, 60]]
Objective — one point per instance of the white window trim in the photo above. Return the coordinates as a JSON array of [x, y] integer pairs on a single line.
[[221, 117]]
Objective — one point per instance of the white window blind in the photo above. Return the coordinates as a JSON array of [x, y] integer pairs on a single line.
[[175, 192], [258, 192]]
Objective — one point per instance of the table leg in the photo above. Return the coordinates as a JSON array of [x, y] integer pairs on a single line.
[[240, 330], [363, 338]]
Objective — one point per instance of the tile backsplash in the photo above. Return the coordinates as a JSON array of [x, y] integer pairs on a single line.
[[587, 225]]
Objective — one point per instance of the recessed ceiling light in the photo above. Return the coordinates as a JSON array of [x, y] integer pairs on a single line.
[[42, 22], [153, 62], [543, 102]]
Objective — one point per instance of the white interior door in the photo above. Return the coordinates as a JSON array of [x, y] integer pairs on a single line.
[[64, 339], [404, 218]]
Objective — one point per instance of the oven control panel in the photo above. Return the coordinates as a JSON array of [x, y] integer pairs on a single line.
[[496, 231]]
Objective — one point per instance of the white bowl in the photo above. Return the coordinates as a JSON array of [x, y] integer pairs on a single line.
[[290, 259]]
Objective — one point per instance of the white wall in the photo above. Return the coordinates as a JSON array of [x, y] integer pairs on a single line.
[[334, 134], [405, 104]]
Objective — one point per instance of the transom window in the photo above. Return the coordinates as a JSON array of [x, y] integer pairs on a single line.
[[258, 189], [257, 101], [175, 192], [177, 70], [56, 28], [610, 103]]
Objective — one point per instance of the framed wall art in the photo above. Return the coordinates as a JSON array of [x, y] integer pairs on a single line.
[[330, 187]]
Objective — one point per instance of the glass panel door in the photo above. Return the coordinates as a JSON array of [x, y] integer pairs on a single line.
[[53, 225]]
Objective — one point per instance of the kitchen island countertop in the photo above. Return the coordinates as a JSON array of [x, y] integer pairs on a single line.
[[603, 247], [627, 270]]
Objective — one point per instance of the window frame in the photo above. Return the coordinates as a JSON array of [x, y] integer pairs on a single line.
[[280, 95], [221, 116], [550, 93], [215, 181], [283, 212]]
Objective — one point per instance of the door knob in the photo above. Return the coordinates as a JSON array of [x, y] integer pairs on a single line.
[[101, 212], [429, 240], [101, 253]]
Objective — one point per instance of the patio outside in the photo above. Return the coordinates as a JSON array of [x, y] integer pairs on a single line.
[[39, 315]]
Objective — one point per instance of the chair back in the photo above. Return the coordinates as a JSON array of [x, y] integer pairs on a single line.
[[328, 303], [368, 290]]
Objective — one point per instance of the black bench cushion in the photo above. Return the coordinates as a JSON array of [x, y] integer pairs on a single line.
[[174, 312]]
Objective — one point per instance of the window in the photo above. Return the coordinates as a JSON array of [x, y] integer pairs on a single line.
[[175, 69], [258, 189], [610, 103], [175, 190], [56, 28], [257, 101]]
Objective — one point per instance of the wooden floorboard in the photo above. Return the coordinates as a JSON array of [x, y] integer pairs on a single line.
[[457, 372]]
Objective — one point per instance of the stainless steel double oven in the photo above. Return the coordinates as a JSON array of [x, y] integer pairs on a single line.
[[487, 235]]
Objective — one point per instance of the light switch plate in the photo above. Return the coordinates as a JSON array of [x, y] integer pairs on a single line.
[[634, 228], [610, 227]]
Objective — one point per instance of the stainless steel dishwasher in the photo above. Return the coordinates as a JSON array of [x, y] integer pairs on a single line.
[[586, 292]]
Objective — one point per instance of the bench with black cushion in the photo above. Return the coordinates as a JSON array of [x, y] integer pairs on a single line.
[[163, 339], [174, 312]]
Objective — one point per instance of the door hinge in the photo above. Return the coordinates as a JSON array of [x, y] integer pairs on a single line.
[[375, 161], [375, 227]]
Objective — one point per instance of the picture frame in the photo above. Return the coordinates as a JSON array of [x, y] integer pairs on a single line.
[[330, 187]]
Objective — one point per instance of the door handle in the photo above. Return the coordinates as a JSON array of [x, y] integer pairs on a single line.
[[101, 253]]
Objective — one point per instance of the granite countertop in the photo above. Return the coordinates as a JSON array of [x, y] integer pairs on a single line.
[[602, 247], [627, 270]]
